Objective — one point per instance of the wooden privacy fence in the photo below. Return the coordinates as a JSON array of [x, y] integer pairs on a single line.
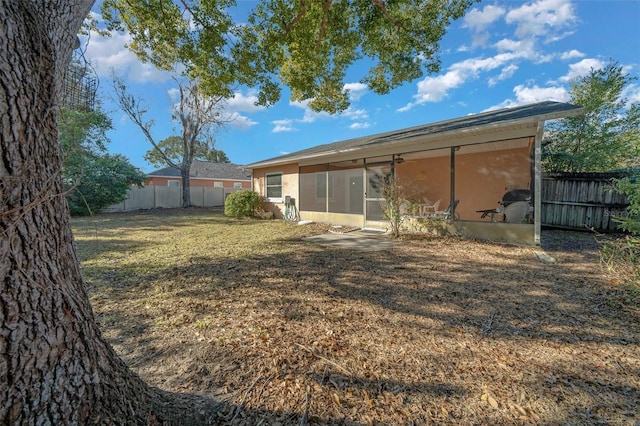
[[152, 197], [581, 201]]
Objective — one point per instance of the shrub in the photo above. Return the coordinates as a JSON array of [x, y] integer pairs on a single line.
[[243, 203], [630, 188], [622, 256]]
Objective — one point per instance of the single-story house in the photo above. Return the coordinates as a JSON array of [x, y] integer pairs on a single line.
[[203, 174], [476, 160]]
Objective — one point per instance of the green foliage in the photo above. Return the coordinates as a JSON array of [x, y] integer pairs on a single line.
[[243, 203], [606, 137], [622, 256], [630, 188], [391, 192], [82, 131], [307, 45], [99, 181], [92, 178], [172, 147]]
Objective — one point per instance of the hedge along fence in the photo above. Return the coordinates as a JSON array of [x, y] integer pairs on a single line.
[[581, 201], [152, 197]]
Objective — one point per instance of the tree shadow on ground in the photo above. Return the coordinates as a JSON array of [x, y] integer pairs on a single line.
[[262, 334]]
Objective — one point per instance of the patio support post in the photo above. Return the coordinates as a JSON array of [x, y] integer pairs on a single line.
[[537, 185], [326, 189], [452, 184]]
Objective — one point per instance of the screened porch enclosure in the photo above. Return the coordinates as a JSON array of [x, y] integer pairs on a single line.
[[350, 187], [476, 175]]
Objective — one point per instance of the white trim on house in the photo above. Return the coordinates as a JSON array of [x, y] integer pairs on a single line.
[[266, 187]]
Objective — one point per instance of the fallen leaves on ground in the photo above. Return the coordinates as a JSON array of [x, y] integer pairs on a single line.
[[437, 330]]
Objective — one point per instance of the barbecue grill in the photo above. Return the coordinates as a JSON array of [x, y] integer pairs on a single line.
[[514, 195], [509, 197]]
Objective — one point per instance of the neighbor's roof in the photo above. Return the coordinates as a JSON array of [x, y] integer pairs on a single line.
[[207, 170], [487, 120]]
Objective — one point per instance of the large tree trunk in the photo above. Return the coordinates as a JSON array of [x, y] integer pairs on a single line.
[[55, 368]]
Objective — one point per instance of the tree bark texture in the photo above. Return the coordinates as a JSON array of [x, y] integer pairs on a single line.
[[55, 368]]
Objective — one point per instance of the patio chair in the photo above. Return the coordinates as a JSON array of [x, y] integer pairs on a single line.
[[427, 207], [446, 213], [516, 212]]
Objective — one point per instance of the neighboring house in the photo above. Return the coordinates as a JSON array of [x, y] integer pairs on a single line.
[[476, 160], [204, 174]]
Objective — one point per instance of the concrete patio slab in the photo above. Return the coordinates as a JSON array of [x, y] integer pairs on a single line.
[[362, 239]]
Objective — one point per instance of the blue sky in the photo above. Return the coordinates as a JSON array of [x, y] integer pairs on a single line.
[[501, 54]]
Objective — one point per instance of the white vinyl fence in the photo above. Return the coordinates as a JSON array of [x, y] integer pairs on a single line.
[[152, 197]]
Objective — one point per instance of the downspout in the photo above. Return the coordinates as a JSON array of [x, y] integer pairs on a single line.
[[537, 186]]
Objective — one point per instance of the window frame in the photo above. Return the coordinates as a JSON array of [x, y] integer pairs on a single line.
[[266, 187], [175, 182]]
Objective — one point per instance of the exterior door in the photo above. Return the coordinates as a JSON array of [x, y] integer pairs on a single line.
[[376, 176], [355, 194]]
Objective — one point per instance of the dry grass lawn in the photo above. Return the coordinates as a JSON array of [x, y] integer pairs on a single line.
[[435, 331]]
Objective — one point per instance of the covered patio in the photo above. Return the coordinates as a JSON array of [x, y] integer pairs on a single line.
[[451, 176]]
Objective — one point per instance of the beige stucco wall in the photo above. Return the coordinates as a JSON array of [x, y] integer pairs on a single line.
[[289, 185], [481, 179]]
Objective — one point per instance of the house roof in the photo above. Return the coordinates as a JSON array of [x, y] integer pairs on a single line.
[[491, 121], [207, 170]]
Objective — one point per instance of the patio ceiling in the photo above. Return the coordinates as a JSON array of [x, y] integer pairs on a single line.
[[468, 149]]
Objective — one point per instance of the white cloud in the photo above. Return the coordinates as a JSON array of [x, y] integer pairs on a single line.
[[632, 93], [245, 103], [358, 125], [507, 72], [355, 114], [527, 95], [582, 68], [238, 104], [242, 122], [536, 20], [479, 20], [435, 89], [309, 115], [525, 47], [107, 54], [356, 90], [174, 94], [542, 18], [283, 126]]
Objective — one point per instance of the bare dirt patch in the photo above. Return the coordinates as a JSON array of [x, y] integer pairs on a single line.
[[435, 330]]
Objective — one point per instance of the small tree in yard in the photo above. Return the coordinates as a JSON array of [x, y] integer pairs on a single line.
[[392, 194], [198, 116], [93, 179], [606, 136]]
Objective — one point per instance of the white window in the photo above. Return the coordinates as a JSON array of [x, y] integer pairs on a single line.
[[273, 187], [173, 183], [237, 185], [217, 184]]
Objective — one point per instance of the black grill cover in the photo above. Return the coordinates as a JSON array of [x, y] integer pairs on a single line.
[[515, 195]]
